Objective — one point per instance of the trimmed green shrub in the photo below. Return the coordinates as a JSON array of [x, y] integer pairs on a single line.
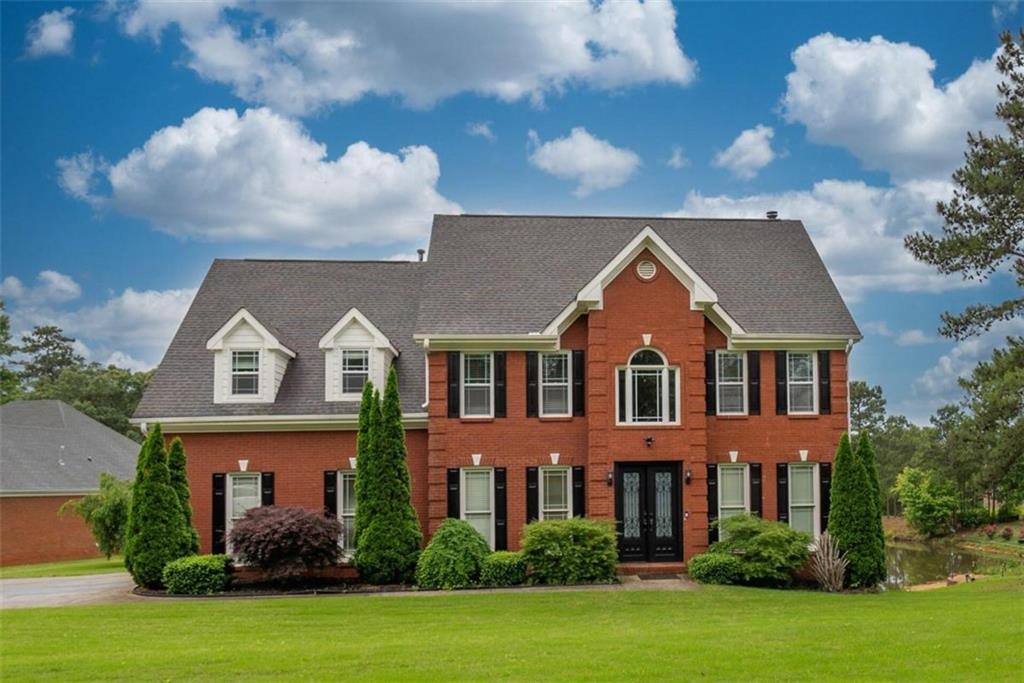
[[197, 575], [388, 536], [155, 531], [105, 513], [503, 568], [770, 553], [568, 551], [176, 463], [866, 455], [928, 504], [715, 568], [972, 518], [286, 542], [852, 516], [454, 557]]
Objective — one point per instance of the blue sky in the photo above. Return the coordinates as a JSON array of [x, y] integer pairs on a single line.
[[141, 141]]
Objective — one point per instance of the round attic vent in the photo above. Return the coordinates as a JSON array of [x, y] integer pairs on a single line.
[[646, 270]]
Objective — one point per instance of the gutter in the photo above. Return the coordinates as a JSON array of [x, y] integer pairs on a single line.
[[267, 423]]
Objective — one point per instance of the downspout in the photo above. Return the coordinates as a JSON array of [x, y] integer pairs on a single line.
[[426, 373], [849, 417]]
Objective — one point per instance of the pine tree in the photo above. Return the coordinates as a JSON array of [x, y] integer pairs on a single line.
[[154, 521], [851, 514], [389, 545], [364, 459], [866, 455], [176, 461]]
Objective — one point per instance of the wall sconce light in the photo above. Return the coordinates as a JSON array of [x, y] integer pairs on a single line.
[[688, 476], [611, 478], [648, 441]]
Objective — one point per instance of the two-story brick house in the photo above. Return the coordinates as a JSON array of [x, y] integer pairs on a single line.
[[663, 373]]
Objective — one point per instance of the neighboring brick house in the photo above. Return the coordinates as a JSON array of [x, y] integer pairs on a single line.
[[51, 453], [663, 373]]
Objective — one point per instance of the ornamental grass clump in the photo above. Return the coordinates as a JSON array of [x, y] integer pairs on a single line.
[[829, 563]]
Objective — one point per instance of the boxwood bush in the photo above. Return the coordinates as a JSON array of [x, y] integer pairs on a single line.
[[770, 553], [197, 575], [286, 542], [503, 569], [715, 568], [454, 557], [570, 551]]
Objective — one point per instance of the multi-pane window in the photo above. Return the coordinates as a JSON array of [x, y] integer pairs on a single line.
[[347, 509], [477, 385], [245, 373], [555, 494], [244, 493], [800, 373], [554, 384], [731, 383], [646, 390], [803, 500], [355, 370], [478, 501], [732, 491]]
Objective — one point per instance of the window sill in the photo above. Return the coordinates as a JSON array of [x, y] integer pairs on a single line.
[[804, 416], [730, 417], [649, 425], [478, 420], [555, 418]]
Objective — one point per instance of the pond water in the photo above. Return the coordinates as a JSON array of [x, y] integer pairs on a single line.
[[908, 565]]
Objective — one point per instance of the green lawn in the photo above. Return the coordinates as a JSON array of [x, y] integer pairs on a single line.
[[99, 565], [967, 632]]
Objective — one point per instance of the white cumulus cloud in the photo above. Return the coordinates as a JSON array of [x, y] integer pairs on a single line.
[[749, 152], [879, 100], [914, 337], [678, 158], [595, 164], [51, 34], [299, 57], [261, 177], [940, 382], [50, 287], [481, 129]]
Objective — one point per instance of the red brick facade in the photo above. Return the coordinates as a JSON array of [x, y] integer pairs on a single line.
[[31, 530], [632, 308]]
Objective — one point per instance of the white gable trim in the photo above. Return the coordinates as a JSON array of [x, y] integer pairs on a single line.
[[380, 340], [591, 296], [216, 342]]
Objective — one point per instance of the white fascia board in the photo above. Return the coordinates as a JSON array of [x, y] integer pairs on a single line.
[[488, 342], [380, 340], [269, 423], [216, 342], [793, 342], [11, 493]]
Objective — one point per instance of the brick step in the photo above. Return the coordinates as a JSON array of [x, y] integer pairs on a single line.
[[646, 568]]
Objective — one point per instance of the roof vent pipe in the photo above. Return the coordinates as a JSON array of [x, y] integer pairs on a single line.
[[773, 215], [420, 253]]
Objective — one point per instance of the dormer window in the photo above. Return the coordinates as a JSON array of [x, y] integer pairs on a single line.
[[355, 370], [355, 352], [245, 373]]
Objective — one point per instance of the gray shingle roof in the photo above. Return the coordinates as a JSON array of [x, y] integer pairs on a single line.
[[48, 446], [300, 300], [514, 274]]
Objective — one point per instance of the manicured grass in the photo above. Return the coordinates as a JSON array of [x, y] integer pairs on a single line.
[[961, 633], [99, 565]]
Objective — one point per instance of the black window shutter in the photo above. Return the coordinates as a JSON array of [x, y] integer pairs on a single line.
[[500, 510], [825, 494], [267, 481], [531, 384], [532, 512], [454, 504], [781, 402], [754, 382], [755, 489], [622, 395], [710, 385], [219, 514], [500, 401], [579, 492], [579, 378], [712, 503], [824, 384], [782, 491], [454, 370], [331, 493]]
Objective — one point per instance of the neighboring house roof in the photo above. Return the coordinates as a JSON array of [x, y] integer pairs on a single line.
[[49, 447], [302, 300], [492, 274]]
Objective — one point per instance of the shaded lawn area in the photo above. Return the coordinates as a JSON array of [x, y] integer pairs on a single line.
[[99, 565], [960, 633]]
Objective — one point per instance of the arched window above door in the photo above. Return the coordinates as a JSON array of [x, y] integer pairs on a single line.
[[647, 389]]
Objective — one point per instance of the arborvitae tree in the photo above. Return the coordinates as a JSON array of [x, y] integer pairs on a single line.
[[155, 531], [364, 459], [851, 514], [866, 455], [179, 480], [389, 545]]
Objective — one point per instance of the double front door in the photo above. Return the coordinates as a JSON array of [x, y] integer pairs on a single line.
[[647, 511]]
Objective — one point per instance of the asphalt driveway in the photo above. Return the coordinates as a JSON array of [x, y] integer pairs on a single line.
[[63, 591]]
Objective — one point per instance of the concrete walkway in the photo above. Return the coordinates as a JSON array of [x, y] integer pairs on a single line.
[[63, 591]]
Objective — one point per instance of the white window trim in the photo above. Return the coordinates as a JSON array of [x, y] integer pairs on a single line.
[[722, 467], [258, 373], [540, 490], [462, 496], [352, 396], [568, 383], [719, 383], [664, 389], [814, 384], [229, 502], [462, 385], [816, 492], [341, 516]]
